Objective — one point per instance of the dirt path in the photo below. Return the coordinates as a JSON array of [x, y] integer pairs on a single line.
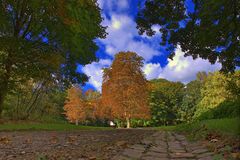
[[165, 146], [135, 144]]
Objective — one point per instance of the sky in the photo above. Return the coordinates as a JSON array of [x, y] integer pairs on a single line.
[[119, 17]]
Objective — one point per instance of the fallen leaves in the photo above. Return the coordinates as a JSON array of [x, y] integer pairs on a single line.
[[54, 140], [5, 140], [121, 143], [83, 145]]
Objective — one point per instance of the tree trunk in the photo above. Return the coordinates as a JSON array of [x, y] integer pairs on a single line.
[[1, 103], [5, 82], [76, 122], [128, 122]]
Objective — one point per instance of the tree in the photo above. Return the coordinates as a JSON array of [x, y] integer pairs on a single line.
[[74, 106], [192, 96], [46, 40], [234, 84], [34, 100], [209, 30], [214, 92], [92, 99], [125, 88], [165, 101]]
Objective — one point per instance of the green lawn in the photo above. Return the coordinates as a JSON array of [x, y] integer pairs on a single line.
[[47, 126], [199, 130], [225, 126]]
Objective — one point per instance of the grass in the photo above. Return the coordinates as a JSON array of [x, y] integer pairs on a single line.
[[30, 126], [225, 126], [199, 130]]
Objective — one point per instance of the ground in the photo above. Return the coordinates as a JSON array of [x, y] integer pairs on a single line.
[[118, 144], [164, 145], [63, 145], [212, 139]]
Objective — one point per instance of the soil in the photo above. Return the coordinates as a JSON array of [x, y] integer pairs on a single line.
[[76, 145]]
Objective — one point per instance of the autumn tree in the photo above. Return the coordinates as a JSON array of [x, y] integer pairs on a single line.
[[92, 99], [208, 29], [106, 100], [124, 88], [46, 40], [75, 106]]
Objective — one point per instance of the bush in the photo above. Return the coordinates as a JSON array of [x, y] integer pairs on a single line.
[[227, 109]]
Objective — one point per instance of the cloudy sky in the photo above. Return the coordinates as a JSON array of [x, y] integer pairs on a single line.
[[119, 16]]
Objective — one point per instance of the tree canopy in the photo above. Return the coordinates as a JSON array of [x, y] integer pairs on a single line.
[[124, 88], [74, 106], [45, 40], [209, 30], [165, 101], [216, 91]]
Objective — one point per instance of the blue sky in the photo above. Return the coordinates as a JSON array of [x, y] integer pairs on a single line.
[[119, 17]]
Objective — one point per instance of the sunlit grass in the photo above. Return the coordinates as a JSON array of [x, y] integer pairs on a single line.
[[199, 130], [225, 126]]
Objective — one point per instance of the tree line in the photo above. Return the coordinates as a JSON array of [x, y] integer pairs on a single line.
[[38, 60], [129, 99]]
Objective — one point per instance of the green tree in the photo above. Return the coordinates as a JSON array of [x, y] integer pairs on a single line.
[[192, 96], [46, 40], [32, 101], [234, 84], [210, 30], [214, 92], [165, 101]]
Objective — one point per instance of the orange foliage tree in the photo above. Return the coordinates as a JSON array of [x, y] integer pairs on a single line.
[[93, 99], [124, 89], [75, 106]]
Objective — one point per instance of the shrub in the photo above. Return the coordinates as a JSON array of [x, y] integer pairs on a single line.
[[227, 109]]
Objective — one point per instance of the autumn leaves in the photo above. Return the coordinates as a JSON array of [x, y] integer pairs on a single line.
[[124, 93], [124, 89], [79, 107]]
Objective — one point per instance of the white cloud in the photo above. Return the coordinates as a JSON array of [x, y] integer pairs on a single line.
[[116, 24], [152, 70], [123, 4], [113, 5], [94, 71], [181, 68], [123, 36], [184, 69]]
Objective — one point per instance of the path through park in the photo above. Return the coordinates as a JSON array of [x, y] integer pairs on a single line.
[[117, 144], [165, 146]]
